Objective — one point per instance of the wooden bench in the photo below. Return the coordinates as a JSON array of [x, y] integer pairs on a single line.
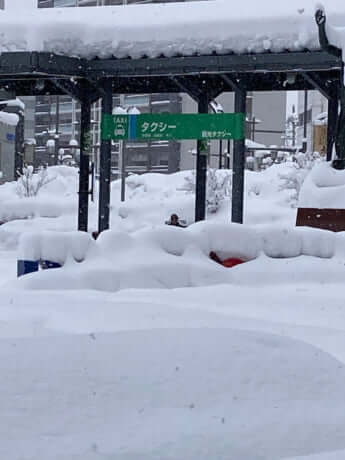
[[325, 219]]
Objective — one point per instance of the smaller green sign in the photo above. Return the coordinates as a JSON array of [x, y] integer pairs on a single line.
[[174, 126]]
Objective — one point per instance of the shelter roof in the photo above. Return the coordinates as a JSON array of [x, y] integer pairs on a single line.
[[173, 29]]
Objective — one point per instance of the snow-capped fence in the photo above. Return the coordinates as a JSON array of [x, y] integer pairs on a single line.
[[54, 249]]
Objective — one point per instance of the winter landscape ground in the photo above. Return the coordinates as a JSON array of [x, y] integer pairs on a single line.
[[140, 347], [244, 363]]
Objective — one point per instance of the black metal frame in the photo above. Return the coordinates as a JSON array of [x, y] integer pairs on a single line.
[[202, 77]]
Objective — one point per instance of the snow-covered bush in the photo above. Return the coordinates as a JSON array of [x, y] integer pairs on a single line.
[[300, 166], [30, 183], [218, 187]]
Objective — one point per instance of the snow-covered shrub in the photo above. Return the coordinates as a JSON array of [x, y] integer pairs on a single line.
[[218, 187], [254, 189], [30, 183], [300, 166]]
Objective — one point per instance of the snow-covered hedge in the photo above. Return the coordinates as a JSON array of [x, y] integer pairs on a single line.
[[227, 240]]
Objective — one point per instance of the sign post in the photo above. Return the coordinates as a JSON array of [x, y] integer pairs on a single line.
[[165, 127], [202, 127]]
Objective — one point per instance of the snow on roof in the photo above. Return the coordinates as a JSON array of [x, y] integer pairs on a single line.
[[9, 118], [221, 26]]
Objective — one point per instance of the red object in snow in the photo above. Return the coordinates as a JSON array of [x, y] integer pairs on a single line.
[[232, 262]]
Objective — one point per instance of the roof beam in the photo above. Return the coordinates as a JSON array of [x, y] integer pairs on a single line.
[[201, 65]]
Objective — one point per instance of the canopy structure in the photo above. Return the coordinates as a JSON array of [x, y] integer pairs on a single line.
[[201, 48]]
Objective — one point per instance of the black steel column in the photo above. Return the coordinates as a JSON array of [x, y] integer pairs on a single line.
[[84, 172], [201, 167], [238, 164], [57, 134], [333, 112], [305, 123], [105, 164], [339, 162], [19, 147], [220, 154]]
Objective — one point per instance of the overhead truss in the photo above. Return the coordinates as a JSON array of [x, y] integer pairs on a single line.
[[202, 77]]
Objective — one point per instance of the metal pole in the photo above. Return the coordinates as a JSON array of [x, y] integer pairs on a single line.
[[333, 111], [149, 144], [57, 123], [19, 147], [220, 154], [305, 121], [339, 162], [84, 173], [122, 158], [105, 164], [228, 155], [201, 167], [238, 164], [123, 172]]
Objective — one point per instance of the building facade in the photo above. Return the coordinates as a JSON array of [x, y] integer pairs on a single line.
[[312, 119], [8, 131]]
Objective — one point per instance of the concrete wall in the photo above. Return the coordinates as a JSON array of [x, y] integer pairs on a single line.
[[270, 109], [7, 151]]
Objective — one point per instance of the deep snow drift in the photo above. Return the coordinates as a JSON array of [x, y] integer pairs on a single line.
[[324, 187], [151, 395], [150, 200], [250, 369]]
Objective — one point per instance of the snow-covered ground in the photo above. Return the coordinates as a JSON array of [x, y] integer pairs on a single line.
[[249, 369]]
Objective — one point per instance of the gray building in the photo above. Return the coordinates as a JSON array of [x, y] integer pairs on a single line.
[[8, 126], [311, 107]]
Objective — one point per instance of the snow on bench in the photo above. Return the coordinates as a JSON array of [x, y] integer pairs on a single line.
[[170, 258], [220, 26], [55, 247], [227, 240]]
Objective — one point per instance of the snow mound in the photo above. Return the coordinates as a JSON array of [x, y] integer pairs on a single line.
[[170, 257], [150, 200], [201, 392], [324, 188]]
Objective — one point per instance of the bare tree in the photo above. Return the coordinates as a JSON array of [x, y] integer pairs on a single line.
[[30, 183]]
